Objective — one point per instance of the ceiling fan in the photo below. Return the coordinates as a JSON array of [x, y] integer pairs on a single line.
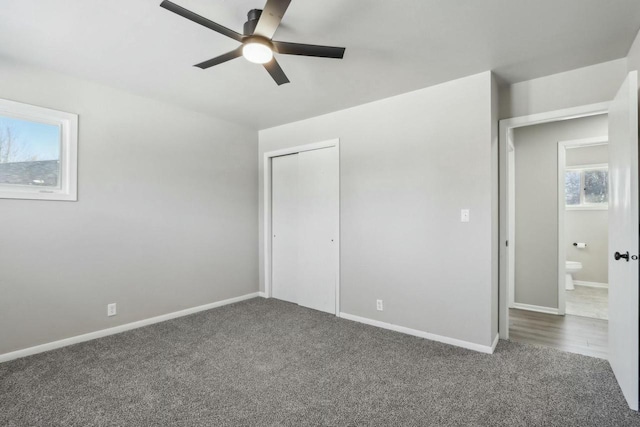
[[257, 41]]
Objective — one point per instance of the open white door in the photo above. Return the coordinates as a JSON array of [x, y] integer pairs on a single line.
[[623, 239]]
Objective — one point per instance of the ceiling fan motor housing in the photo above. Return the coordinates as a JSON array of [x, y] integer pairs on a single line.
[[252, 20]]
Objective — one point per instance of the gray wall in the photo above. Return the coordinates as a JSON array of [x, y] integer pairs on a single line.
[[589, 155], [583, 86], [633, 58], [536, 216], [165, 218], [408, 165], [590, 226]]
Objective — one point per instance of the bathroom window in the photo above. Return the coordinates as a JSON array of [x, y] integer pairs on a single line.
[[38, 152], [587, 187]]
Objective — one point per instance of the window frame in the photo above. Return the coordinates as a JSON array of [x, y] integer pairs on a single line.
[[68, 179], [583, 205]]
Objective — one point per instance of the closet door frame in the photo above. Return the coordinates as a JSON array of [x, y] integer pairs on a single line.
[[268, 156]]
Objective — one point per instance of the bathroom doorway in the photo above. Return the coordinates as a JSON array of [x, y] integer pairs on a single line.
[[583, 203], [555, 170], [619, 339]]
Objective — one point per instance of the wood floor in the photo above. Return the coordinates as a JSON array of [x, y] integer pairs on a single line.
[[574, 334], [588, 302]]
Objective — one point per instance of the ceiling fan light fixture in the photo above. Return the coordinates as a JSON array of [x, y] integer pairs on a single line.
[[257, 41], [257, 51]]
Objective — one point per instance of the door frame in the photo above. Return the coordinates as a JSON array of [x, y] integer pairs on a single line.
[[562, 244], [511, 209], [267, 213], [505, 138]]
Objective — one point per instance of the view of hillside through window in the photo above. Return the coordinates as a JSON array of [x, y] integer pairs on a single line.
[[29, 153]]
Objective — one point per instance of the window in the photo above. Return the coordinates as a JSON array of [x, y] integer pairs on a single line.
[[38, 152], [586, 187]]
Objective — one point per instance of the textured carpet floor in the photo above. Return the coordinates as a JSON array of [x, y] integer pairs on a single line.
[[266, 362]]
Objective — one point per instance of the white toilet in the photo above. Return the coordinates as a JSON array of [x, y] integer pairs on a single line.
[[570, 268]]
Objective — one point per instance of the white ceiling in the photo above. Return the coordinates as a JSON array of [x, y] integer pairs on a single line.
[[392, 47]]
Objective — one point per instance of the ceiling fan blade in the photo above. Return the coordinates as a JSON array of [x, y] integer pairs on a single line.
[[220, 59], [276, 72], [287, 48], [201, 20], [271, 16]]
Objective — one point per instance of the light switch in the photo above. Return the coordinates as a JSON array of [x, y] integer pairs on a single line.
[[464, 215]]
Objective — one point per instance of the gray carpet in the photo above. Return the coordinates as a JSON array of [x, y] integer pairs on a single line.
[[266, 362]]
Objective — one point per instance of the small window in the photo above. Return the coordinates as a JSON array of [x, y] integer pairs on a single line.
[[38, 152], [596, 183], [587, 187], [572, 188]]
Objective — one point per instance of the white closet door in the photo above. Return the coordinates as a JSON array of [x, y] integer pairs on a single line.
[[318, 219], [284, 227]]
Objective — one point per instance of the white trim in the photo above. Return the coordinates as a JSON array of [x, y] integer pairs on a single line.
[[594, 207], [511, 160], [588, 167], [557, 115], [588, 142], [300, 148], [562, 249], [537, 308], [495, 343], [68, 179], [591, 284], [263, 295], [505, 139], [267, 209], [421, 334], [118, 329]]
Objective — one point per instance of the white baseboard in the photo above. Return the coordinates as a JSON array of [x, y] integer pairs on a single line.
[[117, 329], [591, 284], [263, 294], [495, 343], [433, 337], [538, 308]]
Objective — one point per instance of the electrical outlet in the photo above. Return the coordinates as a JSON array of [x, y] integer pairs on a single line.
[[379, 305], [111, 309], [464, 215]]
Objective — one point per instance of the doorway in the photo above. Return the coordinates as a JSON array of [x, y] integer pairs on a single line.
[[508, 234], [302, 225], [623, 349], [583, 203], [537, 241]]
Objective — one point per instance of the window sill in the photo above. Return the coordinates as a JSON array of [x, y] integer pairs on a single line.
[[64, 196], [604, 207]]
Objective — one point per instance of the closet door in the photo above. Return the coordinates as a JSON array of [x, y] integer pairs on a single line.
[[318, 219], [284, 227]]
